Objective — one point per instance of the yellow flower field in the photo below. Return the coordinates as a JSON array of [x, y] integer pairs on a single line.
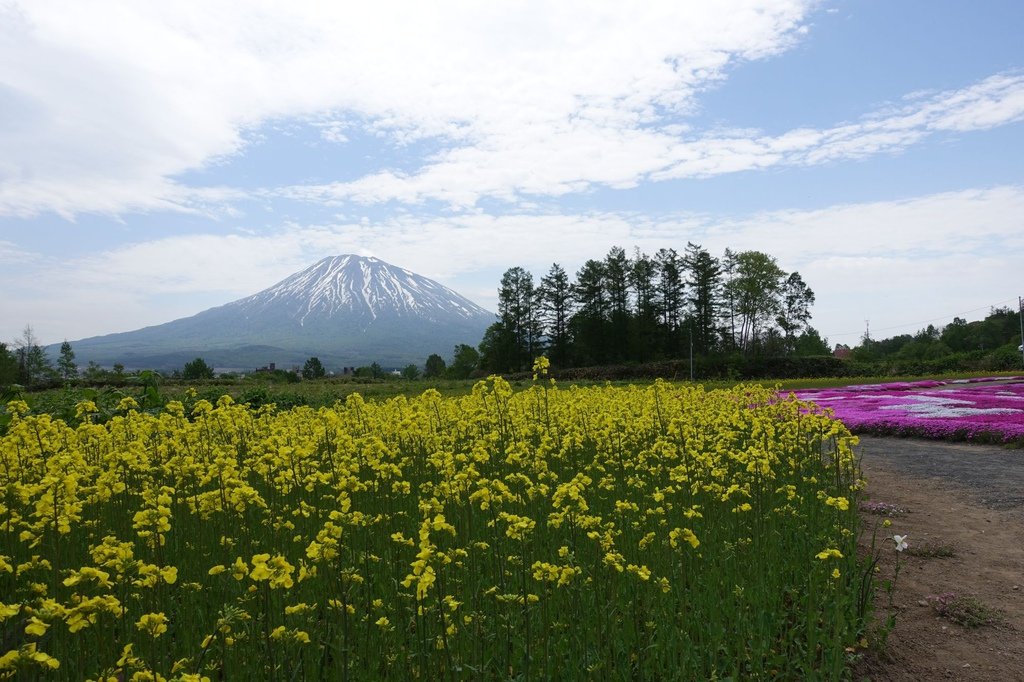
[[658, 532]]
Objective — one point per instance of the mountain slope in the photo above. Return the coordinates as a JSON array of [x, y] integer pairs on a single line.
[[347, 310]]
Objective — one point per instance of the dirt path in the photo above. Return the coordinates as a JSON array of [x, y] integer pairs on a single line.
[[964, 500]]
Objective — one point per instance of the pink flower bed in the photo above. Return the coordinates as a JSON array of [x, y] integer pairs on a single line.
[[988, 409]]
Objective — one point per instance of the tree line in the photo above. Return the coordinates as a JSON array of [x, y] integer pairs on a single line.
[[642, 308], [25, 362], [988, 344]]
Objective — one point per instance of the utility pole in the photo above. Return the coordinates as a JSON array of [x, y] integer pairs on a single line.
[[691, 351]]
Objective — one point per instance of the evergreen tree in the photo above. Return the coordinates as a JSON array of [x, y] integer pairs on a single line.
[[616, 281], [313, 369], [66, 366], [670, 296], [411, 372], [197, 370], [8, 366], [555, 298], [465, 361], [642, 280], [589, 322], [728, 264], [518, 310], [497, 349], [704, 285], [435, 367]]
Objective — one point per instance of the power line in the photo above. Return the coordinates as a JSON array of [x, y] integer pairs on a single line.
[[934, 319]]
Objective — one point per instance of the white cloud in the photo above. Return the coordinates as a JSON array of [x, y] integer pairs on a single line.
[[575, 154], [105, 104], [894, 262], [11, 253]]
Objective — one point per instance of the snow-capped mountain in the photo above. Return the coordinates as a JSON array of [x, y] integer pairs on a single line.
[[346, 310], [363, 288]]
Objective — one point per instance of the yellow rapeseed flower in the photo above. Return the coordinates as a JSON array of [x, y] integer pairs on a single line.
[[153, 624]]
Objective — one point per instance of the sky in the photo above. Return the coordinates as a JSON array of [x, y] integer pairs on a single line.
[[158, 159]]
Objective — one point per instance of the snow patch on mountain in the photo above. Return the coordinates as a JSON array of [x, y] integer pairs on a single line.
[[365, 287]]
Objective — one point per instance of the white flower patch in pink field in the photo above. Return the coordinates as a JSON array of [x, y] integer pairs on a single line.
[[933, 406], [960, 409]]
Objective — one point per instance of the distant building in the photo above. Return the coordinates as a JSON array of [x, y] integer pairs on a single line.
[[272, 367]]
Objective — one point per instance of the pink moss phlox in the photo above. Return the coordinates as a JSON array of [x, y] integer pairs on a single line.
[[971, 410]]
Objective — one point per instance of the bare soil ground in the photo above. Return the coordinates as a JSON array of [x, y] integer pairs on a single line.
[[959, 499]]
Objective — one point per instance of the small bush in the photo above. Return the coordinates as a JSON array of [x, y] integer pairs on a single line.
[[964, 610]]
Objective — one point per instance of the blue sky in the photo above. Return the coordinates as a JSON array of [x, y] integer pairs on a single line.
[[158, 159]]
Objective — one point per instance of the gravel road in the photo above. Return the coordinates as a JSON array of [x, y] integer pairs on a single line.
[[992, 475]]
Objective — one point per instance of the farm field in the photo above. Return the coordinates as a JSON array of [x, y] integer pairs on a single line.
[[653, 532], [985, 409], [153, 394]]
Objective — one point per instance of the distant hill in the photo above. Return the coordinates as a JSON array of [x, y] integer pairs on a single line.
[[347, 310]]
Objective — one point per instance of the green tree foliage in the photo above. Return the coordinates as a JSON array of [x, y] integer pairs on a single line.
[[704, 285], [616, 282], [371, 371], [795, 309], [555, 299], [671, 298], [498, 351], [1000, 327], [197, 370], [810, 343], [66, 366], [434, 367], [590, 321], [411, 372], [34, 368], [643, 272], [925, 345], [647, 308], [465, 361], [518, 311], [313, 369], [8, 366], [755, 289], [728, 302], [93, 373], [988, 344]]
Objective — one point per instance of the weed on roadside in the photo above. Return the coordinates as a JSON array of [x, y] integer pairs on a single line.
[[964, 610], [932, 550], [882, 509]]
